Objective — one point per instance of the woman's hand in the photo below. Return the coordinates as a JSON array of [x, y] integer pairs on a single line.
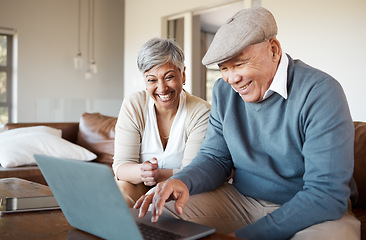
[[150, 172]]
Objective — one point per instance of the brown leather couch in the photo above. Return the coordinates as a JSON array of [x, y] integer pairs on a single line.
[[96, 133], [359, 174]]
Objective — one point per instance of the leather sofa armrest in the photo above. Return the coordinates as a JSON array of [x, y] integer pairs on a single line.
[[96, 133], [360, 162]]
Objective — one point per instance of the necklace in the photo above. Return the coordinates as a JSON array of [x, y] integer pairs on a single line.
[[163, 137]]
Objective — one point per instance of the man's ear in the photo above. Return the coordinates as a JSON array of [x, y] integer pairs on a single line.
[[276, 49]]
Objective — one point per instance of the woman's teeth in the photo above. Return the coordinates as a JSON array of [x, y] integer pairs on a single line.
[[165, 97]]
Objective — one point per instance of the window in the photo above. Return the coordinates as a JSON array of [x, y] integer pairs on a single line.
[[5, 77]]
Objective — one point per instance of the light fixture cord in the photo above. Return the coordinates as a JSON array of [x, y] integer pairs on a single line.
[[79, 26], [92, 27], [88, 42]]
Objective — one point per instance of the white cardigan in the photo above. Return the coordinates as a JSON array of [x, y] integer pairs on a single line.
[[131, 125]]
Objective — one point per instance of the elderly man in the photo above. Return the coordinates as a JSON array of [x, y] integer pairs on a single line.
[[284, 129]]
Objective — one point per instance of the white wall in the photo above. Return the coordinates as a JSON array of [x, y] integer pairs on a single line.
[[327, 34], [49, 88]]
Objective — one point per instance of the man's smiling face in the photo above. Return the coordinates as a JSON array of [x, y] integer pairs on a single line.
[[251, 72]]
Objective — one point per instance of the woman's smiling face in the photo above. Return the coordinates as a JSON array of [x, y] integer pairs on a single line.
[[164, 84]]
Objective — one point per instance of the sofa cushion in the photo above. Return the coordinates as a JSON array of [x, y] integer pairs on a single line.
[[19, 145], [360, 162], [96, 133]]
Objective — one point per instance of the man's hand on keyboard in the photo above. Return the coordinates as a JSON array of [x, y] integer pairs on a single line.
[[172, 189]]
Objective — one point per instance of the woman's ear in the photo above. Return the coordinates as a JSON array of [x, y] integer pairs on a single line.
[[184, 76]]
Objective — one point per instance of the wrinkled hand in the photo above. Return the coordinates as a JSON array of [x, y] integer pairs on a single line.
[[172, 189], [150, 172]]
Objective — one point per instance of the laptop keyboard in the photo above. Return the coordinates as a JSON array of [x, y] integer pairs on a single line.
[[149, 232]]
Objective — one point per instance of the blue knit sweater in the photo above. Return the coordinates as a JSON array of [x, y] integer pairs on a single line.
[[296, 152]]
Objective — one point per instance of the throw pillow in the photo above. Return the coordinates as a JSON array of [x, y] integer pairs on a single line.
[[35, 129], [18, 146]]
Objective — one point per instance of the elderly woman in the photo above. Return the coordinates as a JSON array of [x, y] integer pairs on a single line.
[[159, 130]]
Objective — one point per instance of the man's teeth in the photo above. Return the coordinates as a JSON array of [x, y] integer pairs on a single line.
[[166, 96], [244, 87]]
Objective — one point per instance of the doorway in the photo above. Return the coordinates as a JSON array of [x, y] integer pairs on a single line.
[[210, 22]]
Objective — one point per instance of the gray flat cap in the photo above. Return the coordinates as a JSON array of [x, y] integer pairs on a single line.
[[246, 27]]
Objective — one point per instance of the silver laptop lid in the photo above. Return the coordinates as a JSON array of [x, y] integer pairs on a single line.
[[89, 197]]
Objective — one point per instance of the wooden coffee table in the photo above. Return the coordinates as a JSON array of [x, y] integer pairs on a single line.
[[51, 224]]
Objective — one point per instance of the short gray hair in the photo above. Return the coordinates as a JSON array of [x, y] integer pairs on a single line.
[[158, 51]]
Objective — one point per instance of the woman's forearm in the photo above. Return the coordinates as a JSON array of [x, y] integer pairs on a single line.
[[129, 172]]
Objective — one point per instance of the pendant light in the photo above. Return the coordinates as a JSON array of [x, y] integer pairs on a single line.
[[91, 67], [78, 59]]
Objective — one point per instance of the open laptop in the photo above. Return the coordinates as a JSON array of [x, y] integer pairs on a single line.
[[91, 201]]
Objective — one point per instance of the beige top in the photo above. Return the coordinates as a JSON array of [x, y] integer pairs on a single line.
[[131, 125]]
